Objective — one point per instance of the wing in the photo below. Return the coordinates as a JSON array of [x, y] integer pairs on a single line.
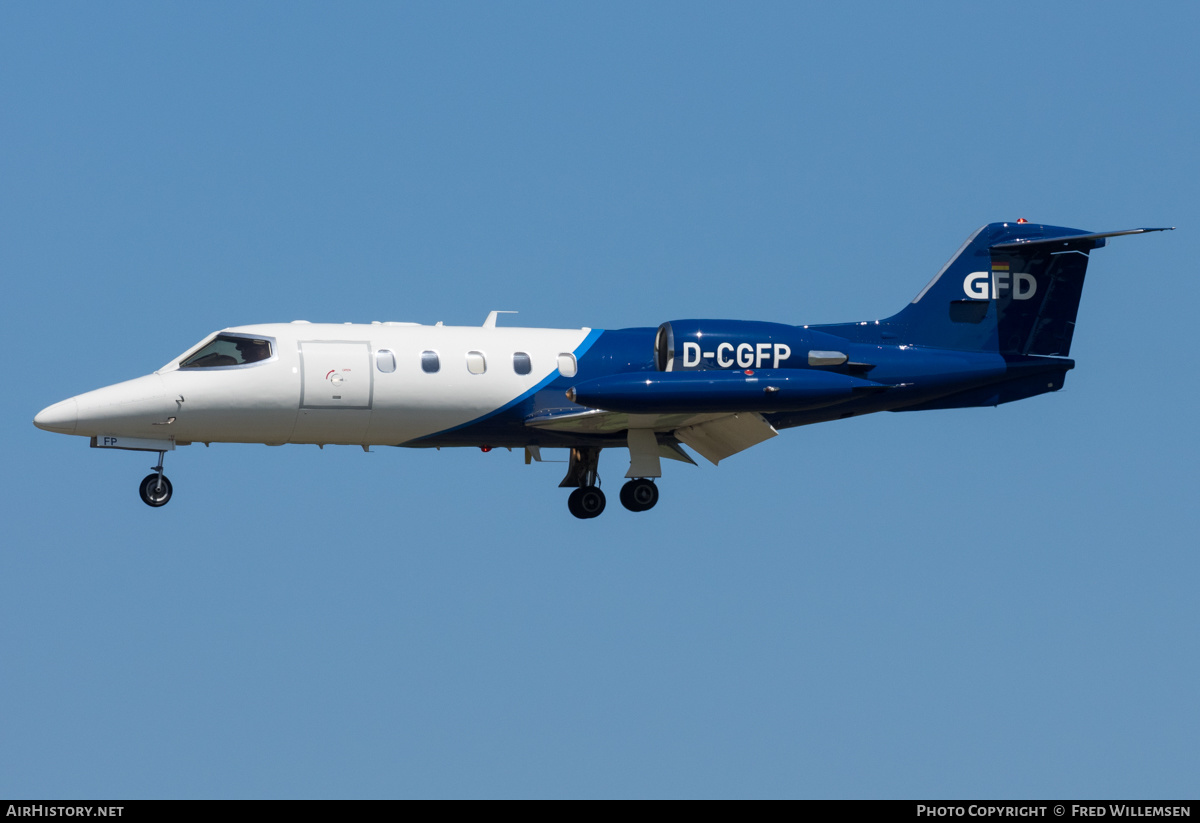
[[714, 435], [717, 412]]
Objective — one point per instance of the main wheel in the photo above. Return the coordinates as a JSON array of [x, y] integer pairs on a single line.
[[586, 502], [639, 495], [154, 494]]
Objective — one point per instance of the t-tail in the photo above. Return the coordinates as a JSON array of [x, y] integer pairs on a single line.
[[1013, 288]]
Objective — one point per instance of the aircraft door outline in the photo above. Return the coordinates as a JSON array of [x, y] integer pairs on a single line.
[[336, 374]]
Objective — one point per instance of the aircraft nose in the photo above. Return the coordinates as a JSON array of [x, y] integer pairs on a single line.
[[61, 417]]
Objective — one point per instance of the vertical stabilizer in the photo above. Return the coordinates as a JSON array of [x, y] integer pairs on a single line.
[[1012, 288]]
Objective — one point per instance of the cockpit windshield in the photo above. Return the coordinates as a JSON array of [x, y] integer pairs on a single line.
[[229, 350]]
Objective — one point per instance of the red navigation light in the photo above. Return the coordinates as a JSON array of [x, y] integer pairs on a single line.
[[1022, 220], [485, 449], [749, 371]]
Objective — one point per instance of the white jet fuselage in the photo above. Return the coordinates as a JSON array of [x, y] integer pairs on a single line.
[[352, 384]]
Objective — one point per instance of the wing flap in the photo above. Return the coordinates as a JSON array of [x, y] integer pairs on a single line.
[[717, 439]]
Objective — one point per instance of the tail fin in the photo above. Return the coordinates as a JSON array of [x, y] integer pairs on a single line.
[[1013, 288]]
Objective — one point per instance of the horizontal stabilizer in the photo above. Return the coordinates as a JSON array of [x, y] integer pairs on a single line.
[[1074, 238]]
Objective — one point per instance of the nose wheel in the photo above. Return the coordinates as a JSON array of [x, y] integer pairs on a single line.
[[155, 489]]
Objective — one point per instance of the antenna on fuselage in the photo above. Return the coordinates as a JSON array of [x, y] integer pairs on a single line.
[[490, 323]]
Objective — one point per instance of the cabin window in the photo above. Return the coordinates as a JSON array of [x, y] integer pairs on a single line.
[[476, 364], [521, 363], [385, 361], [229, 350], [430, 363], [567, 365]]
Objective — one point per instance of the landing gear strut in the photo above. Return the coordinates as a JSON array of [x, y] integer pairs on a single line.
[[156, 488], [587, 500], [639, 495]]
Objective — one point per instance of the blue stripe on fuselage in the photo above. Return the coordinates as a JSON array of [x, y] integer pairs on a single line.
[[548, 380]]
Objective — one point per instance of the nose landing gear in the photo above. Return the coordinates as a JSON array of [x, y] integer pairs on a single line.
[[155, 489]]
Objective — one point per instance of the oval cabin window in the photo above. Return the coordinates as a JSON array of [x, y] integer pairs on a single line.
[[567, 365], [521, 363], [475, 362], [385, 361]]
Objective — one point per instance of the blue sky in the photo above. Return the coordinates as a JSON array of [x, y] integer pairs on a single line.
[[975, 603]]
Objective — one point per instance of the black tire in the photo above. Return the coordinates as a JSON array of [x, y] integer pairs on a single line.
[[586, 502], [592, 501], [573, 504], [639, 495], [152, 494]]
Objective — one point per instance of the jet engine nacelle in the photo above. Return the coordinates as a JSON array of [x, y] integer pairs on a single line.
[[684, 345], [702, 392]]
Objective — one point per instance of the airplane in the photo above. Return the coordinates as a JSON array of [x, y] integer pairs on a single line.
[[993, 326]]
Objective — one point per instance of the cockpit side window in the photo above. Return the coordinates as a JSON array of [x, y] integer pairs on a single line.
[[229, 350]]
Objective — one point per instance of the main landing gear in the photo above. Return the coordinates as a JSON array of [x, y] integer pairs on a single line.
[[156, 488], [587, 501], [639, 495]]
